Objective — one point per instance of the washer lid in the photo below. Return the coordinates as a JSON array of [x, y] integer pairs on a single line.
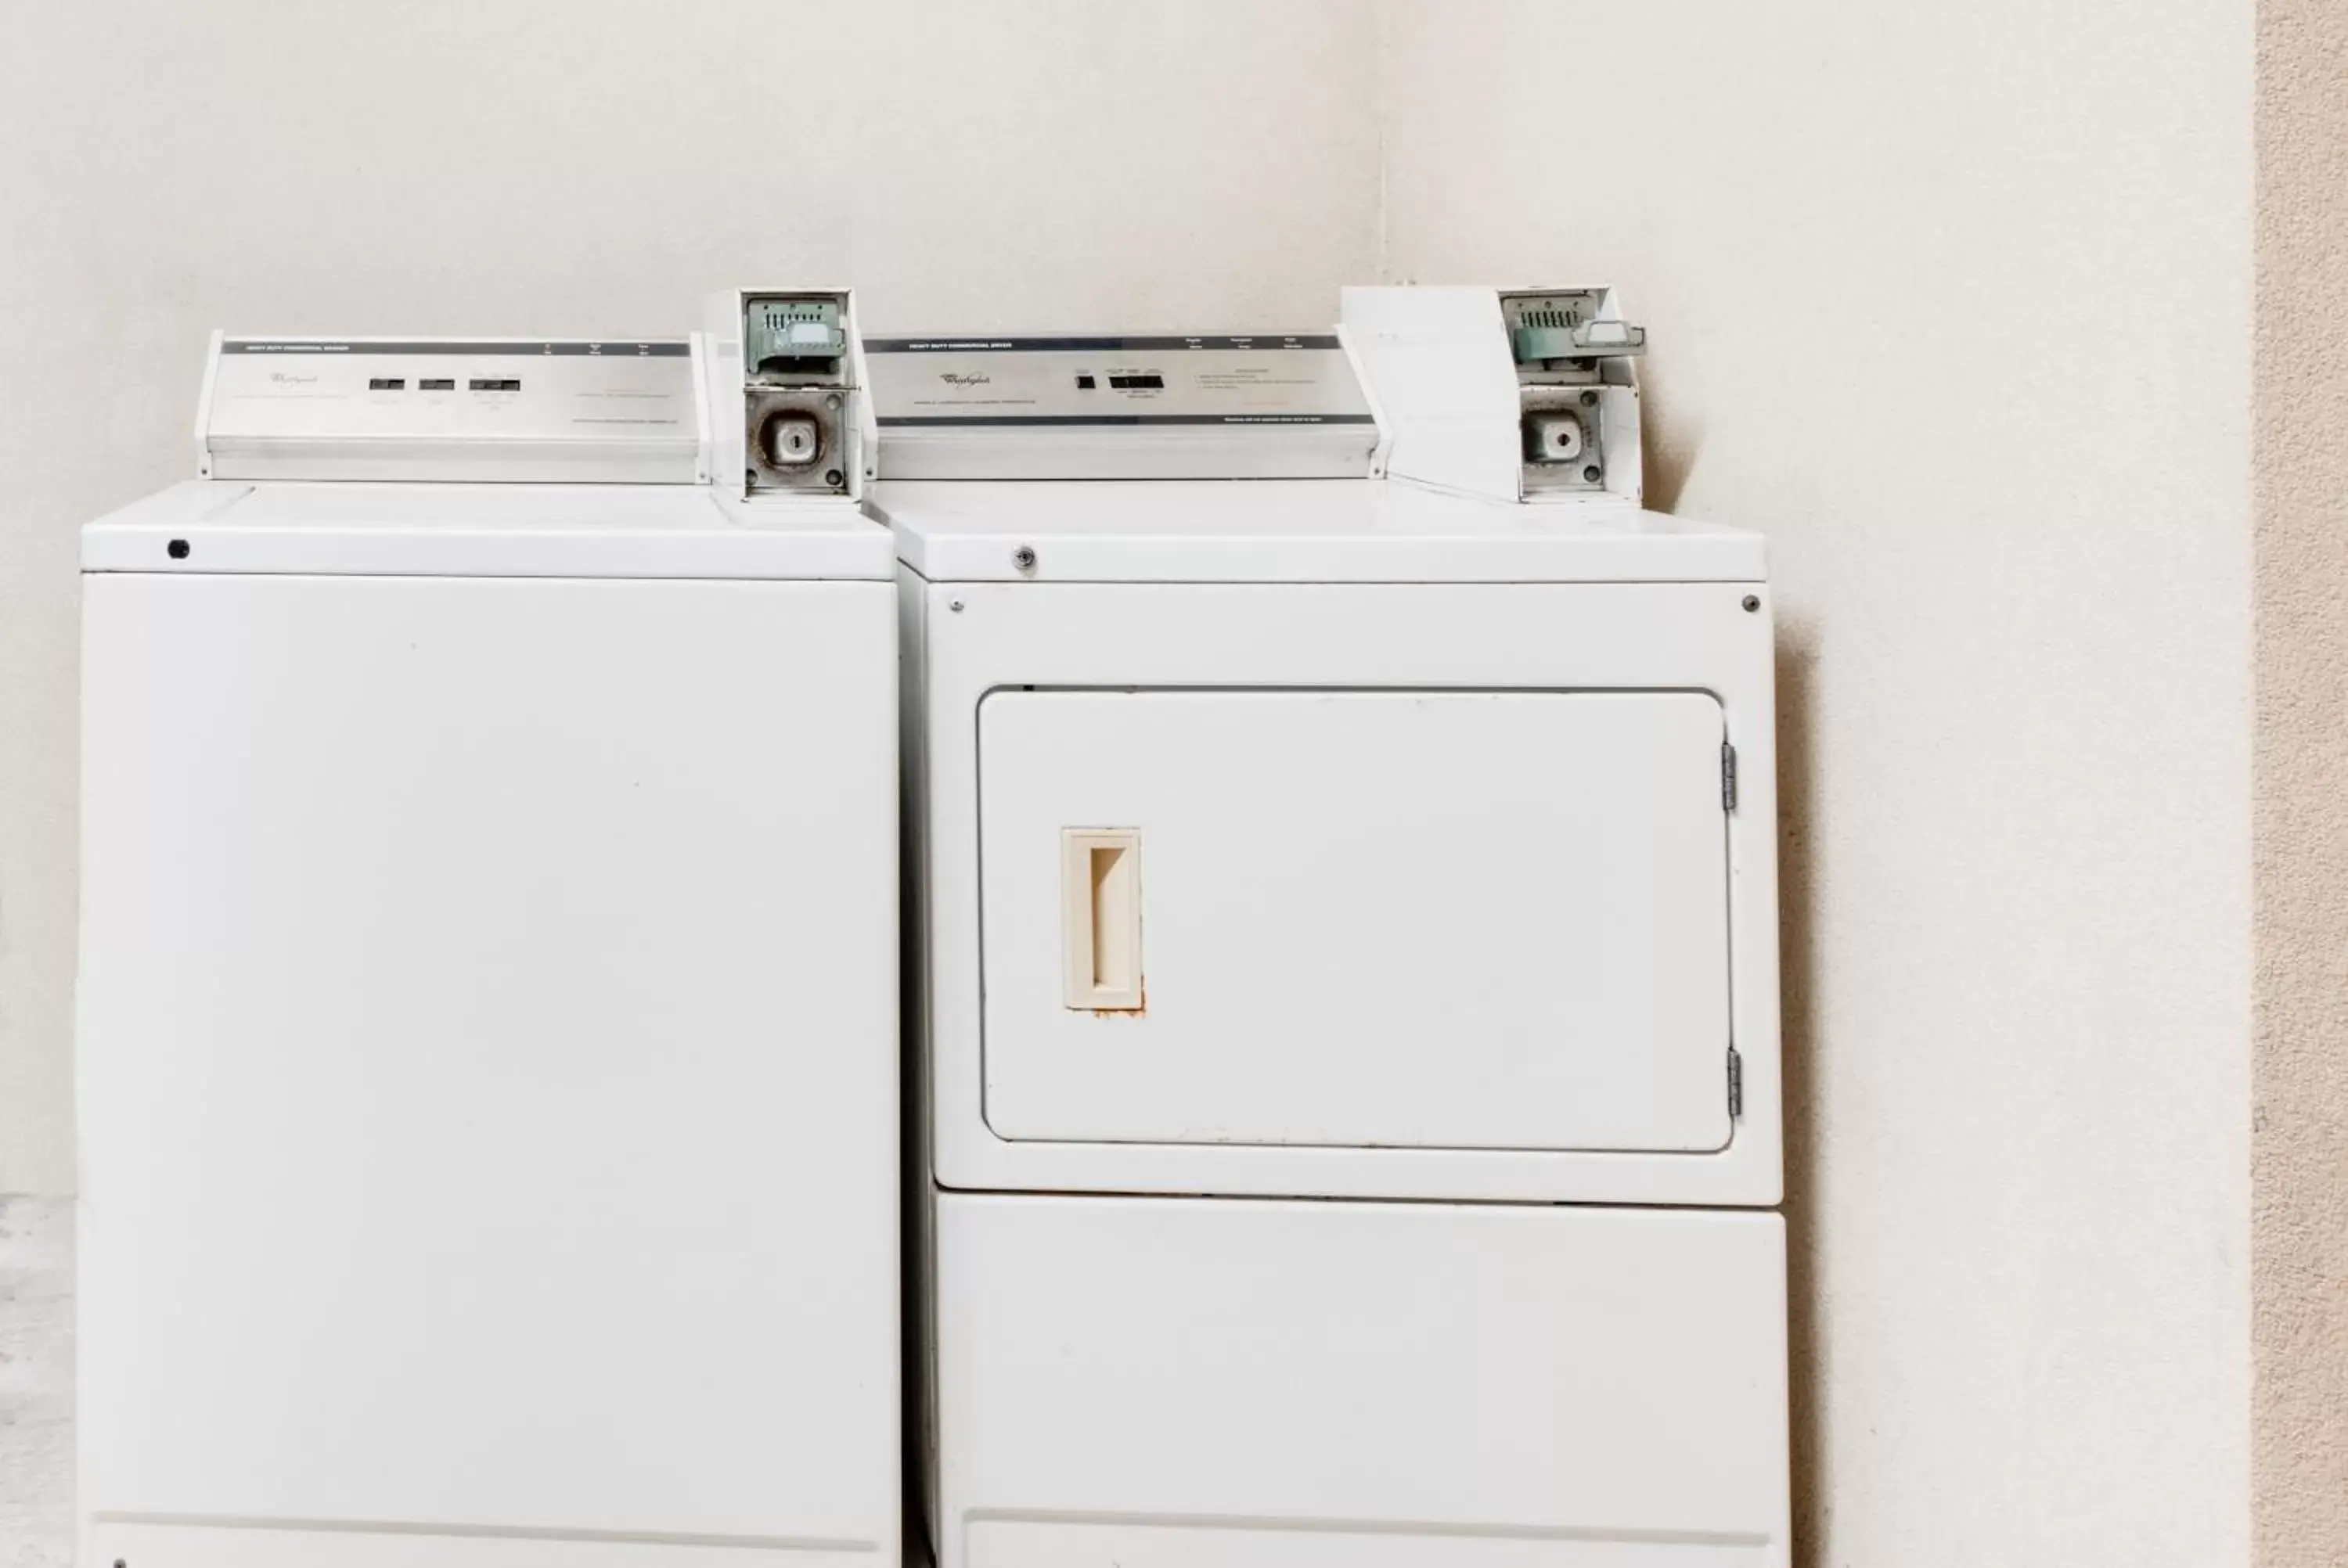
[[484, 530], [1309, 530]]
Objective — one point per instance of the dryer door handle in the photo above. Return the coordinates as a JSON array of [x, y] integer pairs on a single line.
[[1100, 916]]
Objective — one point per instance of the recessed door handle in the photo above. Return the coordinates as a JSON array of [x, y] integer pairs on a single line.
[[1100, 918]]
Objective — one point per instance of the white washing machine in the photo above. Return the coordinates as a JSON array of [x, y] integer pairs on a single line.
[[1345, 960], [488, 1063]]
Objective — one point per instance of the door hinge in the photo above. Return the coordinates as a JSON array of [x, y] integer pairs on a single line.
[[1727, 776], [1735, 1084]]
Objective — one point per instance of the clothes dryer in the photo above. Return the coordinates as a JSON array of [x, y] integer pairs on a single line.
[[1343, 958]]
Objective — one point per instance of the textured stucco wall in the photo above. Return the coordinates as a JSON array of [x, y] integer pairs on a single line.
[[1953, 300], [2300, 1145], [36, 1452]]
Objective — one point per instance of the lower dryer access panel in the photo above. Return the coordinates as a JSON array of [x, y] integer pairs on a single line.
[[1173, 1383]]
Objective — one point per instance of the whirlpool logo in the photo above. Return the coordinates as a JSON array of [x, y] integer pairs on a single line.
[[962, 378]]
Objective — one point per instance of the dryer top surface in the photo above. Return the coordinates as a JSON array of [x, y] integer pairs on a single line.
[[1308, 530]]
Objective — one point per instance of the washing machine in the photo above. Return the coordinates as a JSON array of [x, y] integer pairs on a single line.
[[1342, 958], [487, 1061]]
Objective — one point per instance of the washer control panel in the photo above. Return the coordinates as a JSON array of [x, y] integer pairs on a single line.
[[546, 410]]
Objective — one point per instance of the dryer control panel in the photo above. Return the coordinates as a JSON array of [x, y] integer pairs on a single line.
[[1121, 406], [574, 410]]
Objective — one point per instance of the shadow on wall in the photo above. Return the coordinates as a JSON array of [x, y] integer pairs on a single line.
[[1796, 882], [1667, 466]]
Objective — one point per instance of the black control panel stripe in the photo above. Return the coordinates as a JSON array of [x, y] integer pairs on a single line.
[[1097, 344], [950, 420]]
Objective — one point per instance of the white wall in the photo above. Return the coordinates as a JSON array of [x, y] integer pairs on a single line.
[[1953, 300], [590, 166]]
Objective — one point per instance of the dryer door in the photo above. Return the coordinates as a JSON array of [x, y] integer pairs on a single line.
[[1414, 918]]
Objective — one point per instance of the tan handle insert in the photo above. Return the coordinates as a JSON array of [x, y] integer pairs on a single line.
[[1100, 918]]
